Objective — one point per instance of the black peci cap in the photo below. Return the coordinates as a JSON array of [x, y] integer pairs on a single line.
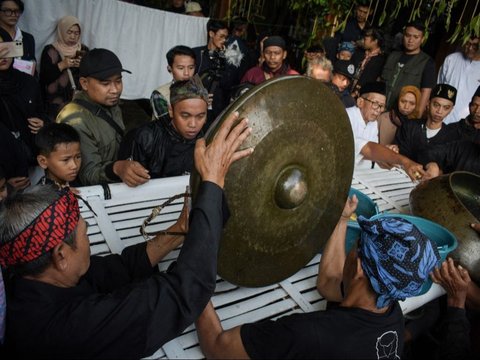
[[444, 91], [377, 87]]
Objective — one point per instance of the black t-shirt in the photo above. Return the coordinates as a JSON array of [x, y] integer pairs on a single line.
[[428, 76], [340, 333]]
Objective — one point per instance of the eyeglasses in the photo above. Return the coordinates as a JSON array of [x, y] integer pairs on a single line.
[[472, 45], [70, 32], [10, 12], [375, 105]]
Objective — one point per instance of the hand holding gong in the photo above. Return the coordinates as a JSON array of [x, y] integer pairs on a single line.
[[212, 161]]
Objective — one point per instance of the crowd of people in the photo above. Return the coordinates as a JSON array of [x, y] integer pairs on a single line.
[[64, 117]]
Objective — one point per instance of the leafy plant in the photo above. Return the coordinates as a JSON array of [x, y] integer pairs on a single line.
[[343, 9]]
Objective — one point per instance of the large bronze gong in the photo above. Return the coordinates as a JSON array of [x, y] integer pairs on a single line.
[[286, 198], [453, 200]]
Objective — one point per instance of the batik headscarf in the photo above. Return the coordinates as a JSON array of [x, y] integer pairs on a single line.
[[396, 257], [64, 24], [45, 232], [188, 89]]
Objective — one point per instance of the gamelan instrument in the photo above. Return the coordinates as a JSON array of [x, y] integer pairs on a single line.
[[286, 198], [453, 200]]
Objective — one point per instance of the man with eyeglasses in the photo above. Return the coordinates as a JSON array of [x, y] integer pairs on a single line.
[[10, 12], [363, 119], [462, 70], [415, 137]]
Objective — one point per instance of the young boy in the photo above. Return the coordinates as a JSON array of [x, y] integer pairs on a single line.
[[59, 154]]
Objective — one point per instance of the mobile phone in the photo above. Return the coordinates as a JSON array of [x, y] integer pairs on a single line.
[[80, 53], [15, 49]]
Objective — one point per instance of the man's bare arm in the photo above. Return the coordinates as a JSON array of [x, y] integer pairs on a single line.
[[330, 269], [379, 153], [473, 294], [215, 342]]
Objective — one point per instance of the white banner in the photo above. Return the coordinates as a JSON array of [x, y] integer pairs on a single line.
[[140, 36]]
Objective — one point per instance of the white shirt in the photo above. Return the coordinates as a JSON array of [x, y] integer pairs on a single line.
[[362, 134], [464, 75], [432, 132]]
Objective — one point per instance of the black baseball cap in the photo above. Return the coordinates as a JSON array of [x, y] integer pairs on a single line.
[[100, 64], [345, 68], [274, 41]]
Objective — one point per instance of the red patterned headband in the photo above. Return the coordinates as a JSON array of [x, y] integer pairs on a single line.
[[45, 232]]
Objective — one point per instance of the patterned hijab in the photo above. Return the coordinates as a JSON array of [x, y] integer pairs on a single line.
[[396, 257], [64, 24]]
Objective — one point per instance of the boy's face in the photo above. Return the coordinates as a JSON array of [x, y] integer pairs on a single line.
[[62, 164], [3, 189], [183, 67]]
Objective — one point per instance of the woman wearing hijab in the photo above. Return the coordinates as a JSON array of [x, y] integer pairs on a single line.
[[21, 116], [59, 65], [405, 109]]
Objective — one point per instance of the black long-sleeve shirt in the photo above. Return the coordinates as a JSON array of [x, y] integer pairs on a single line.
[[412, 140], [455, 340], [121, 308]]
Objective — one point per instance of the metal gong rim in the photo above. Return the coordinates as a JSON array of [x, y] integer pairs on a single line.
[[453, 201], [286, 198]]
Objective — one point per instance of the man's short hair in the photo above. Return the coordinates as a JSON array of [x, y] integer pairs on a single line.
[[323, 62], [417, 25], [17, 212], [179, 50], [188, 89], [54, 134], [376, 34], [477, 93], [237, 22], [362, 3], [19, 3], [215, 25], [316, 49]]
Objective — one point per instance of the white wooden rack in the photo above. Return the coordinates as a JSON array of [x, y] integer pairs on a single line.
[[121, 210]]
